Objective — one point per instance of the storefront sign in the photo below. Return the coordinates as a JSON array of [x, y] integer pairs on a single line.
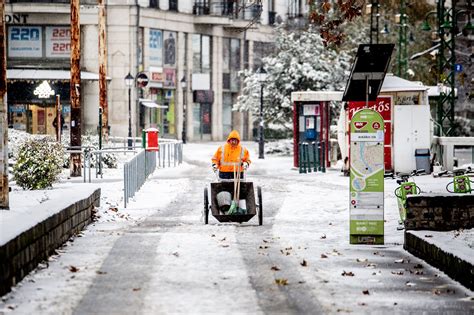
[[16, 18], [170, 78], [44, 90], [58, 42], [408, 98], [12, 108], [366, 178], [25, 42], [203, 96], [155, 45]]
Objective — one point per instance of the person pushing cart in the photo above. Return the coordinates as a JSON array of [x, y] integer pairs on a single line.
[[231, 157]]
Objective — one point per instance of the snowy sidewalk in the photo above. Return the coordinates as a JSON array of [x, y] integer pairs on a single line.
[[306, 237]]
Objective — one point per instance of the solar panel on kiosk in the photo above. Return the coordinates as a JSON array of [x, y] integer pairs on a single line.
[[370, 66]]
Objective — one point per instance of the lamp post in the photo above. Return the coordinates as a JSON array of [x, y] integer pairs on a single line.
[[262, 76], [129, 83], [447, 31], [183, 88]]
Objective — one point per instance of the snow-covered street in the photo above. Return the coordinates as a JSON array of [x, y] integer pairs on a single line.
[[158, 257]]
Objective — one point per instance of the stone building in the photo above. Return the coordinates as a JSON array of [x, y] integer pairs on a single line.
[[201, 42]]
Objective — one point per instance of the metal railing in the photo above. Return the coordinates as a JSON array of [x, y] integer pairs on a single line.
[[231, 9], [98, 166], [137, 170], [135, 173]]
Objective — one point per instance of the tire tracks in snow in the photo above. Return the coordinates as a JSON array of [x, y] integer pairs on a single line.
[[262, 252]]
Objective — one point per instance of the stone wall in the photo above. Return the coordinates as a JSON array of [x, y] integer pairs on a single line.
[[455, 267], [443, 212], [22, 254]]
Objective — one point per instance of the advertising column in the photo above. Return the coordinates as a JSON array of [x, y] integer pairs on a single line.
[[366, 178]]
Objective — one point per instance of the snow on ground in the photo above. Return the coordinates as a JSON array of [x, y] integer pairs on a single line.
[[52, 288]]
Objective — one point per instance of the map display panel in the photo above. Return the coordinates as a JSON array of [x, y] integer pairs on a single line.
[[367, 178]]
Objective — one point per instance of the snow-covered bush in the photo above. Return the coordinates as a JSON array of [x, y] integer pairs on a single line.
[[38, 163]]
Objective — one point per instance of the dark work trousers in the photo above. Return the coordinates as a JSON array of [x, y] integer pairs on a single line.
[[229, 175]]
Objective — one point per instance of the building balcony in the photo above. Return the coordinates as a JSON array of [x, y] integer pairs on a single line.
[[226, 13]]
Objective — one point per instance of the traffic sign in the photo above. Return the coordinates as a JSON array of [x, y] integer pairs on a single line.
[[142, 79]]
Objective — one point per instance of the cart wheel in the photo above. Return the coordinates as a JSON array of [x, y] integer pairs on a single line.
[[260, 205], [206, 206]]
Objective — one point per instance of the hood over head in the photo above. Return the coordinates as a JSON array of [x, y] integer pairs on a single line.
[[234, 134]]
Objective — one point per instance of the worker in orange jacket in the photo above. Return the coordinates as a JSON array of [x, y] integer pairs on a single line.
[[231, 156]]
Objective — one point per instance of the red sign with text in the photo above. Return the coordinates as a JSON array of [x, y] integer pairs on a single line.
[[382, 105]]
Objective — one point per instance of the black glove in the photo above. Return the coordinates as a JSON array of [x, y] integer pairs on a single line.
[[245, 165], [214, 167]]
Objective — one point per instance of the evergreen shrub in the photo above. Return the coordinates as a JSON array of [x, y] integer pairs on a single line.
[[38, 163]]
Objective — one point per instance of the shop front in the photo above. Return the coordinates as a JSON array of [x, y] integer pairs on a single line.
[[32, 105], [202, 114]]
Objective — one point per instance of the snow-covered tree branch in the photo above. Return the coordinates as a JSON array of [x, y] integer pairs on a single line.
[[301, 63]]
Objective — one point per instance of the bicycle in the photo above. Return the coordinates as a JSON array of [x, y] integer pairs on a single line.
[[461, 183], [405, 189]]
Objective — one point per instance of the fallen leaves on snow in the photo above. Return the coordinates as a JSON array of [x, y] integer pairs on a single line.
[[323, 256], [275, 268], [366, 292], [347, 274], [281, 281], [304, 263], [73, 269]]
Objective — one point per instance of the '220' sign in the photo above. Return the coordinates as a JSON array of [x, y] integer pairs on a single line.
[[25, 33]]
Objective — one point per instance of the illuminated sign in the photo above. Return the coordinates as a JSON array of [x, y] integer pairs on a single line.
[[44, 90]]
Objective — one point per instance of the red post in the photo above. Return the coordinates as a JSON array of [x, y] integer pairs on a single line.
[[296, 131]]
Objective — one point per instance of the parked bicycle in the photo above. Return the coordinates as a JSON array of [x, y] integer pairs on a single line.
[[405, 189], [461, 183]]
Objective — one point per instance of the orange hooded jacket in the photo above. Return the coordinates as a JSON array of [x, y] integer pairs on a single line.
[[229, 155]]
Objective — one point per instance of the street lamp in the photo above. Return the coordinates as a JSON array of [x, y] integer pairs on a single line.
[[261, 77], [129, 83], [447, 31], [183, 88]]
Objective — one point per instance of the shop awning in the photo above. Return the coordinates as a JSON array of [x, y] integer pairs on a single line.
[[150, 103], [44, 74]]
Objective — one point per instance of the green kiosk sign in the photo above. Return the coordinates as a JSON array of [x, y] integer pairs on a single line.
[[366, 176]]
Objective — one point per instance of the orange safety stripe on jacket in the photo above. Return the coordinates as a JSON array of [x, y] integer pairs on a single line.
[[232, 155]]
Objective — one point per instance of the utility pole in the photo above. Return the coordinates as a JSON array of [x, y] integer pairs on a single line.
[[402, 42], [374, 22], [104, 130], [4, 189], [446, 63], [75, 88]]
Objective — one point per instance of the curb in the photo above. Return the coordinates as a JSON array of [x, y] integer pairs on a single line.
[[23, 253], [455, 267]]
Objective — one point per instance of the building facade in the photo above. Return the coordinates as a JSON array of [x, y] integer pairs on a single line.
[[187, 52]]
